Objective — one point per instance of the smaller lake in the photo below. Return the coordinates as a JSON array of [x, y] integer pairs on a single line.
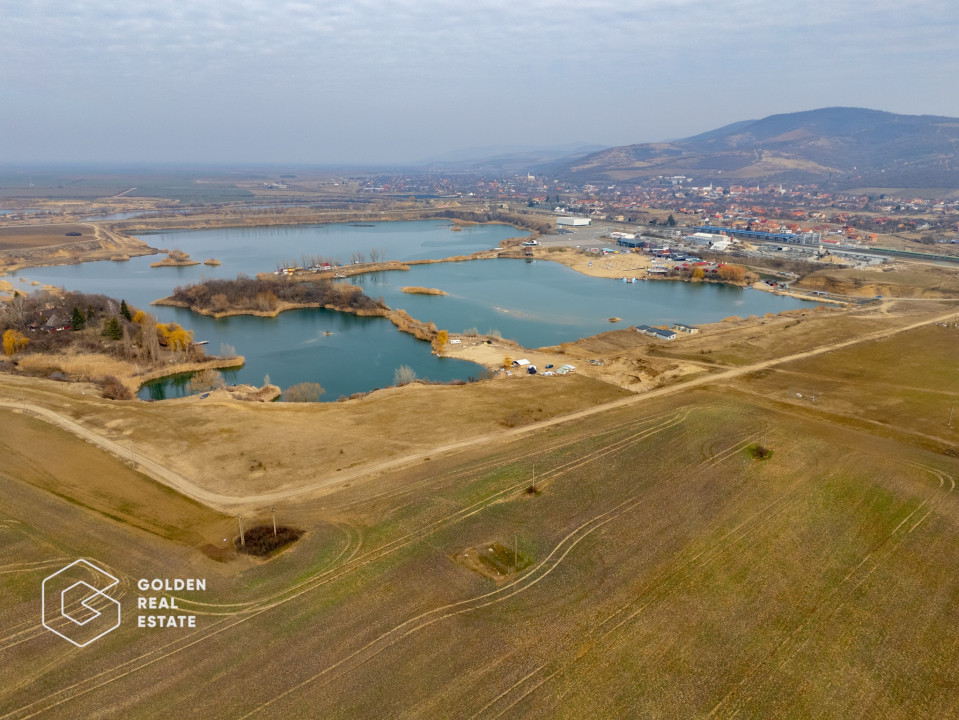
[[344, 353]]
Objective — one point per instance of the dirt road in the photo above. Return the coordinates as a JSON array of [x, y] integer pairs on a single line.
[[230, 503]]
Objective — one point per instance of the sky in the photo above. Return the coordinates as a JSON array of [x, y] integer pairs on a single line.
[[377, 81]]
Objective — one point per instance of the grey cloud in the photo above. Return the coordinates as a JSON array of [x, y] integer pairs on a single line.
[[485, 71]]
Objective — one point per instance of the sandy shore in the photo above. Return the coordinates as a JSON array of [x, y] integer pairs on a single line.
[[624, 264], [493, 355]]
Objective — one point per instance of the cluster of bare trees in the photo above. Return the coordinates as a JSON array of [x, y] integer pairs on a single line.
[[522, 221]]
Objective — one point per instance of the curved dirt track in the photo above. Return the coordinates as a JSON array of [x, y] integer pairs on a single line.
[[231, 503]]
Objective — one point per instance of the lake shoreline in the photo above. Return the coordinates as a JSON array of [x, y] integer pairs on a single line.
[[528, 304]]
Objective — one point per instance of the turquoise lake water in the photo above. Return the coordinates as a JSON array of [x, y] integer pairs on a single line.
[[535, 303]]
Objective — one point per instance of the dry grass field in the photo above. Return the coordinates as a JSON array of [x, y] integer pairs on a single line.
[[671, 575], [659, 568], [34, 236], [234, 449]]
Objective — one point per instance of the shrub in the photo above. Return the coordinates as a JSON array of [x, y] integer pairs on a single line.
[[760, 452], [303, 392], [113, 389], [206, 380]]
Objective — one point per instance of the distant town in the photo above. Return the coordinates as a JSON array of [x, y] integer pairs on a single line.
[[771, 207]]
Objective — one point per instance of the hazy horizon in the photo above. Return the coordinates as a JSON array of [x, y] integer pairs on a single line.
[[374, 84]]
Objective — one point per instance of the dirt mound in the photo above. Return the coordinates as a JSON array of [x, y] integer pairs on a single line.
[[854, 286]]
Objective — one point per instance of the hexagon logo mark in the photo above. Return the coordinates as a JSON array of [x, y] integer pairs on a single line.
[[75, 604]]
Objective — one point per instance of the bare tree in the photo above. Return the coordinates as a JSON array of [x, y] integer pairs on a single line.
[[18, 310], [404, 375]]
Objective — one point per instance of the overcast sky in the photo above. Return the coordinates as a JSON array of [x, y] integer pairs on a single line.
[[371, 81]]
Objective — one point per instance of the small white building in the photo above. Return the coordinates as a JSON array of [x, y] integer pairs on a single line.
[[700, 238], [572, 221]]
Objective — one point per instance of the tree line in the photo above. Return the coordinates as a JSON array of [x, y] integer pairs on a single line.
[[266, 293]]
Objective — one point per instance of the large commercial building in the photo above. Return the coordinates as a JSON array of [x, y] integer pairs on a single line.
[[807, 238]]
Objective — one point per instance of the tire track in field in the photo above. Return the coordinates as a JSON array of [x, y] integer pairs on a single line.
[[522, 681], [460, 514], [463, 513], [665, 581], [34, 629], [353, 542], [31, 566], [713, 461], [486, 465], [107, 677], [836, 598], [412, 625]]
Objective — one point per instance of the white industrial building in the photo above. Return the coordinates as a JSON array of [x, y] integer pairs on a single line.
[[572, 221]]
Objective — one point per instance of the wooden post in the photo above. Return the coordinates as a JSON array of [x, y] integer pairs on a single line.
[[273, 510], [239, 519]]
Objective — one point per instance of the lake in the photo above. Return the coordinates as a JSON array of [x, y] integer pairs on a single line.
[[535, 303]]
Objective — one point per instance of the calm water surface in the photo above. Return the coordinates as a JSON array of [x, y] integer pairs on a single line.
[[536, 303]]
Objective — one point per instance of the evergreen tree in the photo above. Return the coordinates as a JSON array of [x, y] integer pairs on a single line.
[[78, 320], [125, 311], [112, 329]]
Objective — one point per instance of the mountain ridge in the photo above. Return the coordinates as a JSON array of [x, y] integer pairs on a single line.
[[839, 146]]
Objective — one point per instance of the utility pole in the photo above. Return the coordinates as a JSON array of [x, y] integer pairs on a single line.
[[239, 519], [515, 557], [952, 406], [273, 510]]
